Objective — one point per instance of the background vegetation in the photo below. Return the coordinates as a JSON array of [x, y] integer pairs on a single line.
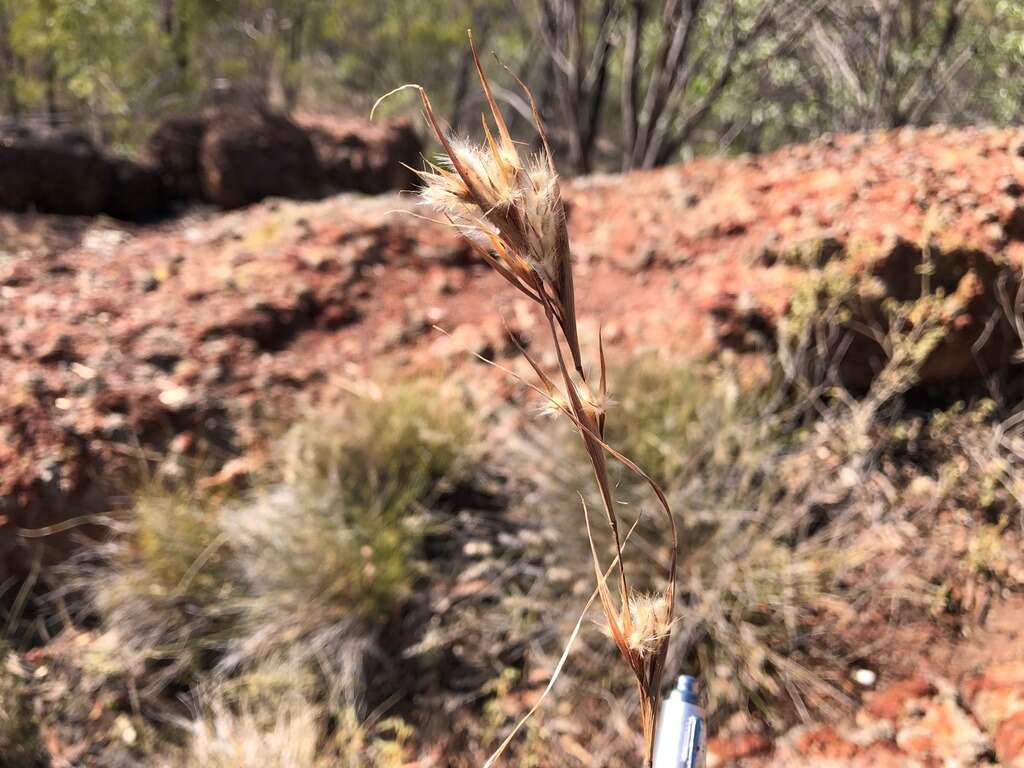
[[397, 581], [400, 583], [621, 83]]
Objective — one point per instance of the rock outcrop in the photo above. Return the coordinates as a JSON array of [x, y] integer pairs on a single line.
[[248, 155], [137, 192], [230, 157], [908, 722], [363, 156], [173, 148], [54, 172], [63, 172]]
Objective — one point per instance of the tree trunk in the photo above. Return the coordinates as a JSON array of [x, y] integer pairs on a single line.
[[631, 78], [51, 90], [291, 83], [8, 63], [176, 32]]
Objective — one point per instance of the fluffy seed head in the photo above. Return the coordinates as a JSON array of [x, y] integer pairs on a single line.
[[511, 211], [650, 623], [495, 197], [594, 403]]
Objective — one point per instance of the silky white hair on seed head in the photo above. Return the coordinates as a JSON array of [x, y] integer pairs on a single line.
[[500, 187]]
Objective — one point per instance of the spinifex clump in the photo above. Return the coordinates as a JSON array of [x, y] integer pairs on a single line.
[[511, 212]]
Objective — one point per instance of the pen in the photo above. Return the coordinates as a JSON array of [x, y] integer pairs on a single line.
[[681, 728]]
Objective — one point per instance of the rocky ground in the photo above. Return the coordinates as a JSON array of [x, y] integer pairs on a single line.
[[190, 336], [964, 707]]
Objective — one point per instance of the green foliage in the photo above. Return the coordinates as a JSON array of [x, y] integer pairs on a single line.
[[760, 615], [655, 420], [681, 421], [773, 576], [277, 598], [115, 66], [994, 71], [820, 304], [379, 452], [278, 594], [98, 58], [854, 72], [755, 584], [986, 555], [407, 41], [301, 573], [103, 50], [176, 548]]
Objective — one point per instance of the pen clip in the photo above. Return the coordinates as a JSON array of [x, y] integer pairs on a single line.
[[693, 739]]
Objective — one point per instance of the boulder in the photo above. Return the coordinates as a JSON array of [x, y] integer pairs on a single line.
[[173, 149], [363, 156], [248, 154], [52, 172], [138, 191]]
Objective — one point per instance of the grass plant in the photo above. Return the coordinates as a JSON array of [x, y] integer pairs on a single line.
[[510, 210], [331, 552]]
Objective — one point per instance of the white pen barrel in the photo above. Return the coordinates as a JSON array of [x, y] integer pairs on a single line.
[[681, 729]]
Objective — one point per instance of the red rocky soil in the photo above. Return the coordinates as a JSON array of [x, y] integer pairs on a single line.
[[184, 338], [962, 711]]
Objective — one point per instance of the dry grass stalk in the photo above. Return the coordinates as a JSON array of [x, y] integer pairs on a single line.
[[511, 212]]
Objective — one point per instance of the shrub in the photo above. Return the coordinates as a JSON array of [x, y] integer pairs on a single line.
[[697, 427], [760, 573], [289, 731], [765, 616], [380, 451], [163, 584], [758, 581], [279, 594], [328, 555]]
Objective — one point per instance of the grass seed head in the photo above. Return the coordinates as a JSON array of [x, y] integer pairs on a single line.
[[650, 623], [511, 211], [489, 198]]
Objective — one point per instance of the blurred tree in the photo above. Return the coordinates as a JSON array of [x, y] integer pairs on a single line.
[[678, 58], [106, 55], [865, 65], [990, 87], [92, 59], [701, 49], [380, 45], [580, 52], [621, 83], [887, 62]]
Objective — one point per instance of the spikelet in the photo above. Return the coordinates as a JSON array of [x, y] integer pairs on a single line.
[[482, 190], [650, 622], [595, 404]]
